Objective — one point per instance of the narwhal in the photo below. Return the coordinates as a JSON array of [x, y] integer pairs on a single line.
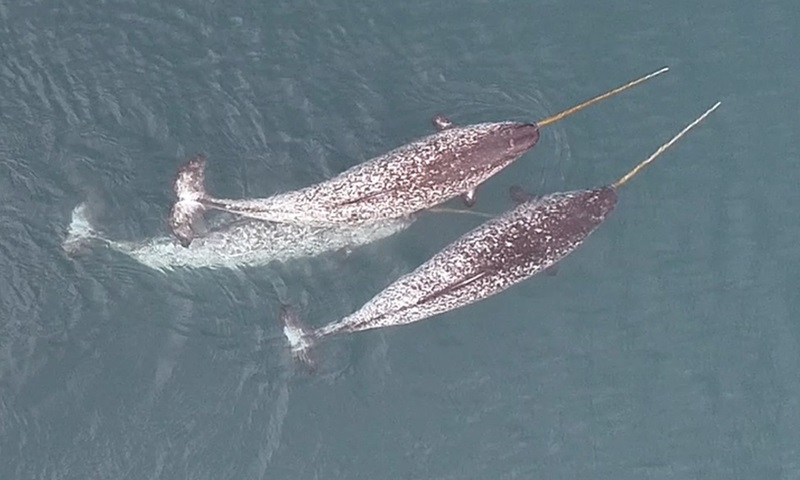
[[499, 253], [231, 242], [453, 161]]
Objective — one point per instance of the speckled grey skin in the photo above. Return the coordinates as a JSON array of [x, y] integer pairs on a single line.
[[232, 244], [520, 243], [494, 256], [451, 162]]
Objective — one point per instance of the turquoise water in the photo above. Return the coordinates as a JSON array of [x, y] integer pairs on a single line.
[[666, 347]]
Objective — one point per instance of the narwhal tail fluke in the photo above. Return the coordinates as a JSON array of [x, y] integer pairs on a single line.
[[80, 231], [190, 192], [301, 338]]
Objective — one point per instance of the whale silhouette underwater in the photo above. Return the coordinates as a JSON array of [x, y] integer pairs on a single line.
[[496, 255], [426, 172], [230, 243]]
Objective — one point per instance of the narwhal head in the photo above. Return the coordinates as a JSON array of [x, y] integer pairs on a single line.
[[478, 151], [513, 139], [502, 143]]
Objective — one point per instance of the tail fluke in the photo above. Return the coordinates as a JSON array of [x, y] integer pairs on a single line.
[[190, 190], [184, 220], [300, 337], [80, 231]]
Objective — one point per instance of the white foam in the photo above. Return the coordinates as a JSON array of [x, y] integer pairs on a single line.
[[80, 229]]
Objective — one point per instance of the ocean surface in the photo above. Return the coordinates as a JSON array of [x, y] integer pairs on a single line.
[[666, 347]]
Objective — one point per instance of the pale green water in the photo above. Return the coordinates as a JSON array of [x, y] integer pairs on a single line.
[[667, 347]]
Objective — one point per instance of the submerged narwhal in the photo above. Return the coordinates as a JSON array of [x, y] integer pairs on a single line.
[[231, 242], [453, 161], [501, 252]]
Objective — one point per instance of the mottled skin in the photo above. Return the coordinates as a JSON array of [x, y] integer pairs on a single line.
[[408, 179], [234, 243], [451, 162], [530, 238], [494, 256]]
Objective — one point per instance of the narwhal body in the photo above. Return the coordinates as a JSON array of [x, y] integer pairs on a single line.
[[232, 243], [406, 180], [501, 252], [453, 161]]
